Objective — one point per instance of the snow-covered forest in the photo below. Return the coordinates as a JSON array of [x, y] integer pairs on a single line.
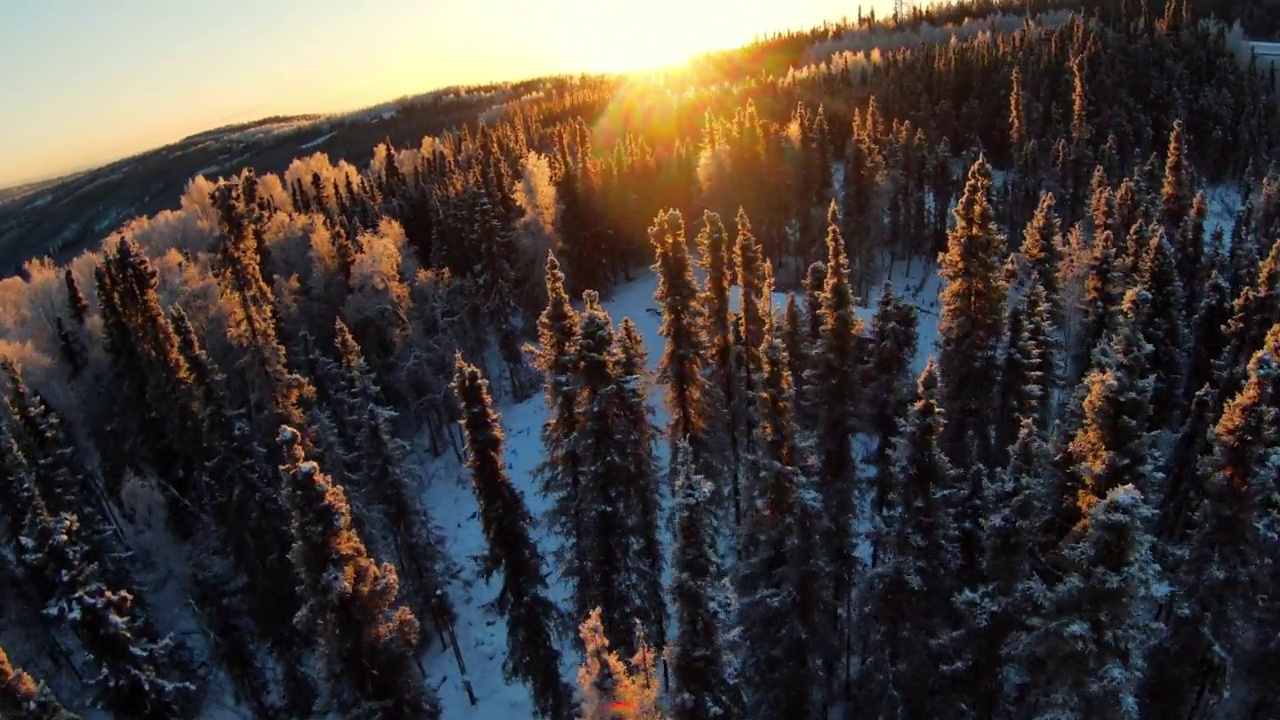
[[905, 368]]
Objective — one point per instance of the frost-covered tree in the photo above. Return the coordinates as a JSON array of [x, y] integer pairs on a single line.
[[907, 604], [780, 571], [836, 377], [1085, 645], [140, 675], [702, 687], [717, 262], [522, 597], [556, 356], [366, 638], [683, 321], [1028, 369], [971, 321], [893, 348], [1223, 625], [22, 698], [608, 688], [1114, 447], [755, 284], [1161, 324]]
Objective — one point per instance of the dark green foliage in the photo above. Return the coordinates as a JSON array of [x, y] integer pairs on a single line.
[[366, 638], [531, 653]]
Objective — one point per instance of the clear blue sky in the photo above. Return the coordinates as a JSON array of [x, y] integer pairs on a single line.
[[87, 81]]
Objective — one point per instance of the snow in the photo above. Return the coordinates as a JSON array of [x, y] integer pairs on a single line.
[[318, 141], [482, 635]]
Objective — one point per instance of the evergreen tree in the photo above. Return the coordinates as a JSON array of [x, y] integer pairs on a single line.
[[1175, 195], [1088, 637], [607, 688], [531, 653], [683, 320], [971, 321], [702, 687], [1040, 243], [1103, 291], [22, 698], [1221, 639], [893, 347], [1113, 447], [618, 499], [139, 674], [717, 263], [637, 435], [557, 358], [836, 375], [1027, 366], [779, 577], [756, 287], [367, 639], [1161, 324], [907, 603], [796, 344], [1209, 337]]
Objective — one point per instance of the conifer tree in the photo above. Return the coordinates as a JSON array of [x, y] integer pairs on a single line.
[[556, 356], [1113, 447], [1040, 241], [1175, 195], [808, 403], [796, 344], [907, 603], [1254, 307], [638, 437], [1191, 254], [367, 638], [1222, 630], [22, 698], [893, 347], [140, 676], [756, 288], [971, 321], [683, 320], [607, 688], [1161, 324], [1087, 639], [522, 598], [1099, 306], [607, 442], [1027, 366], [702, 688], [717, 262], [836, 375], [1208, 332], [779, 577]]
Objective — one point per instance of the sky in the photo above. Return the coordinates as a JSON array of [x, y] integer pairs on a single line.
[[85, 82]]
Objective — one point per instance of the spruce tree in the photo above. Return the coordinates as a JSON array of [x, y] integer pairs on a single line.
[[779, 576], [907, 605], [366, 637], [1088, 636], [1027, 377], [140, 675], [1222, 629], [22, 698], [1208, 333], [638, 437], [836, 375], [1113, 447], [717, 262], [522, 599], [971, 321], [556, 356], [683, 320], [1040, 241], [1162, 326], [1175, 195], [893, 348], [702, 688], [756, 287], [1103, 291], [607, 688]]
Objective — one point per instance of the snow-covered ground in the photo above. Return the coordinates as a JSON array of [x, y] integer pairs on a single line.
[[481, 635]]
